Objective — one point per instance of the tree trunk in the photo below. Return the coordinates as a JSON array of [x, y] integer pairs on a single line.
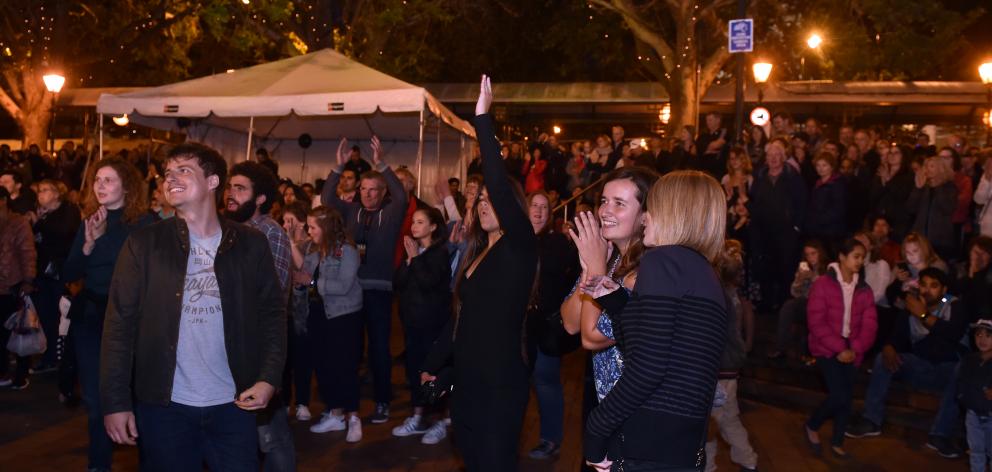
[[682, 88], [36, 108], [34, 125]]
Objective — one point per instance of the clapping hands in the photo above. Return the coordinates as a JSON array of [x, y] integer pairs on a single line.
[[593, 248], [411, 247], [95, 227]]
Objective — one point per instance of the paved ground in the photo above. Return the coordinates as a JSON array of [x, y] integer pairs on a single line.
[[38, 434]]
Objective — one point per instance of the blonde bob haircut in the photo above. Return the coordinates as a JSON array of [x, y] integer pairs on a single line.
[[688, 208]]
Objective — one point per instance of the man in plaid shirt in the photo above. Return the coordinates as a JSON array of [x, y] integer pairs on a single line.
[[251, 191]]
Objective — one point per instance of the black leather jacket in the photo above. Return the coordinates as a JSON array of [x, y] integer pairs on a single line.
[[141, 330]]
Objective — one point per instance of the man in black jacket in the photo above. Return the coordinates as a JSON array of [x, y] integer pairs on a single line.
[[196, 323], [924, 350], [777, 205]]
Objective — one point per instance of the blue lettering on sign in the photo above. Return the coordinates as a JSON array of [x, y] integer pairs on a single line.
[[740, 36]]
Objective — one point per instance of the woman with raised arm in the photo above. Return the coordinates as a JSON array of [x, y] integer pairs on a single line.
[[483, 341], [673, 330]]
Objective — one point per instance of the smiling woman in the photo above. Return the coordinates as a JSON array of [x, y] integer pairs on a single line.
[[116, 207]]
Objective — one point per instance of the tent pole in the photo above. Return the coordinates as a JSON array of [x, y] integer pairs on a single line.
[[99, 155], [461, 159], [437, 154], [420, 150], [251, 129]]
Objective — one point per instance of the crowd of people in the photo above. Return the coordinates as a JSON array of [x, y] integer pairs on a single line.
[[187, 284]]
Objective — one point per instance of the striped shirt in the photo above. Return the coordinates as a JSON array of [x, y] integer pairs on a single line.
[[672, 331]]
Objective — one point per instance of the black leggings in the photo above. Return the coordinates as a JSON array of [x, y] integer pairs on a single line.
[[336, 353], [839, 378]]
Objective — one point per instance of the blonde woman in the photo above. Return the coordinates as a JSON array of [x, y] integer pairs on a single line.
[[675, 320], [934, 200]]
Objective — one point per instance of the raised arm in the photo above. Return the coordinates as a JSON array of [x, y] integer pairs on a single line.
[[512, 217], [329, 196]]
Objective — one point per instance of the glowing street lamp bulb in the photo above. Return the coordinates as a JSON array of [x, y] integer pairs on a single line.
[[814, 41], [121, 120], [665, 115], [556, 129], [762, 70], [246, 2], [54, 82], [985, 72]]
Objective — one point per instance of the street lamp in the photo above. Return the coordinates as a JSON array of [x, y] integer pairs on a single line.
[[985, 72], [813, 42], [53, 82], [762, 70]]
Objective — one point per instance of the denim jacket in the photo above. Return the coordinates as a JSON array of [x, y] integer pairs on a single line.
[[337, 284]]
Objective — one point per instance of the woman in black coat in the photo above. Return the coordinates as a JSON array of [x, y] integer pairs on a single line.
[[934, 200], [422, 284], [483, 343], [890, 189], [826, 215]]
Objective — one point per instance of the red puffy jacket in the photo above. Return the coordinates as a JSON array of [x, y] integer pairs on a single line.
[[825, 318]]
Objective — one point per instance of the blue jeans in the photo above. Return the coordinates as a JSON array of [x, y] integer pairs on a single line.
[[181, 437], [377, 313], [921, 374], [275, 440], [979, 440], [550, 396], [87, 334]]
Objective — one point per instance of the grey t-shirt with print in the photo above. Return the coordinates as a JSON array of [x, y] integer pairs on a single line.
[[203, 376]]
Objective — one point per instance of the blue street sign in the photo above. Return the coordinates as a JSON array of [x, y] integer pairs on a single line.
[[741, 35]]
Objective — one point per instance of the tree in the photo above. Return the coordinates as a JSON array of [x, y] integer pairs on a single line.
[[685, 46], [91, 41], [888, 39]]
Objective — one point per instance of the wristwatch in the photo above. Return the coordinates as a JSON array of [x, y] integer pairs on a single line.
[[923, 316]]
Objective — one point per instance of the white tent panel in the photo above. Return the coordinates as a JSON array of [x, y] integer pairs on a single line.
[[323, 94]]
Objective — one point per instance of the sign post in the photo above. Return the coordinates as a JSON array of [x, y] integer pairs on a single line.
[[740, 40]]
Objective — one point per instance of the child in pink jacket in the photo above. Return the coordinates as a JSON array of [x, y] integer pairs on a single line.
[[842, 325]]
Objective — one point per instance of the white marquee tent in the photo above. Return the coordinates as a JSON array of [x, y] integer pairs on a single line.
[[323, 94]]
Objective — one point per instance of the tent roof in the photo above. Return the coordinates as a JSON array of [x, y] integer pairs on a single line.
[[324, 83]]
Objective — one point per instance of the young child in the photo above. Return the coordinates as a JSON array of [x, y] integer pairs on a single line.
[[975, 393], [740, 332]]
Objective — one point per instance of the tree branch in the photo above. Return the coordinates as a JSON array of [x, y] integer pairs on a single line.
[[641, 30], [711, 66], [10, 106]]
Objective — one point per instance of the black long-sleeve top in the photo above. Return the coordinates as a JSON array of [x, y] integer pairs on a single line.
[[673, 330], [98, 267], [974, 376], [889, 200], [423, 288], [483, 343], [54, 233]]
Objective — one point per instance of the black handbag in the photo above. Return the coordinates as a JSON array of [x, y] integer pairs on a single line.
[[552, 339], [434, 390]]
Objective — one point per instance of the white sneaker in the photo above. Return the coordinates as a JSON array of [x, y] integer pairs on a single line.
[[436, 433], [412, 425], [302, 413], [354, 429], [327, 423]]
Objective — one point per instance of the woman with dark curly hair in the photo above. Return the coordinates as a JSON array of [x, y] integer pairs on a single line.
[[116, 205]]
